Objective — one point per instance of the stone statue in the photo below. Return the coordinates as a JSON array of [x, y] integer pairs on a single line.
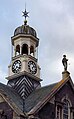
[[64, 61]]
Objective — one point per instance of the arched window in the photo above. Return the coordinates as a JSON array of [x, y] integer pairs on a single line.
[[17, 50], [58, 111], [66, 109], [25, 49], [32, 51]]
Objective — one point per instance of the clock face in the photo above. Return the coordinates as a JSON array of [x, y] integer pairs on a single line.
[[32, 67], [16, 66]]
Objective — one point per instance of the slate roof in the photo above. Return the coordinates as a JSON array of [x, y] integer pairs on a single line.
[[32, 99], [35, 100], [46, 95], [10, 95], [37, 95]]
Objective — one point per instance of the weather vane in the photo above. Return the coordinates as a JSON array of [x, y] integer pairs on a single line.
[[25, 14], [64, 62]]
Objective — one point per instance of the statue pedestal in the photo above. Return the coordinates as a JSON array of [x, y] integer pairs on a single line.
[[65, 74]]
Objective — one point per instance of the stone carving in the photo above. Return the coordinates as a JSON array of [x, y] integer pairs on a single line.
[[64, 62]]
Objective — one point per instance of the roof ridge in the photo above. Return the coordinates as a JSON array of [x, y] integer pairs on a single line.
[[46, 86], [51, 93]]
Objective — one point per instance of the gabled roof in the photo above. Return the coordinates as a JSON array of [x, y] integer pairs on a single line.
[[36, 96], [16, 102], [35, 101], [41, 96], [12, 98]]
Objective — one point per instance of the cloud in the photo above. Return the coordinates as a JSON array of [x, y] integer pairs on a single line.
[[57, 38], [2, 76], [54, 23]]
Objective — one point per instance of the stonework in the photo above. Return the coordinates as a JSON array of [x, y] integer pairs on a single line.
[[23, 97]]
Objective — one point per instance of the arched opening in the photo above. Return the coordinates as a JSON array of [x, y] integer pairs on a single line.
[[17, 50], [66, 109], [32, 51], [25, 49]]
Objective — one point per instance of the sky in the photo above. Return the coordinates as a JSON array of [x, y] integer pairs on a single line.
[[53, 21]]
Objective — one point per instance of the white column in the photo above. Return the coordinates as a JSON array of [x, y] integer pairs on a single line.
[[11, 51], [28, 50], [20, 49], [36, 52]]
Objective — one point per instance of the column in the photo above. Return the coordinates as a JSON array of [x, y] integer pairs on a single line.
[[20, 49], [28, 50], [11, 51]]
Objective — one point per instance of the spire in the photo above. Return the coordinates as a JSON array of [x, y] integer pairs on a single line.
[[25, 14]]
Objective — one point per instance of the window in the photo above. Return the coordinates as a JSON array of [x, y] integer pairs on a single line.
[[58, 112], [66, 109], [63, 109]]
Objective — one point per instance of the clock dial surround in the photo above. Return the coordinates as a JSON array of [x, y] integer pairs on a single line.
[[16, 66], [32, 67]]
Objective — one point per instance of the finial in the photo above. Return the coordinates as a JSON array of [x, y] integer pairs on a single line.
[[64, 62], [25, 14]]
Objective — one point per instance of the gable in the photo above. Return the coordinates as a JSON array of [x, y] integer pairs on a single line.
[[8, 95], [6, 111], [55, 89], [65, 92], [37, 96]]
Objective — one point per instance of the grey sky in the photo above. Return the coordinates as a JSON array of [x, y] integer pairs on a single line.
[[54, 23]]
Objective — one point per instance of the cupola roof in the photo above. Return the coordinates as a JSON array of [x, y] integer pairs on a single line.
[[25, 29]]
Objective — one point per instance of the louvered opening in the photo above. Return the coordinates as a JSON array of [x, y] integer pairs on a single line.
[[24, 86]]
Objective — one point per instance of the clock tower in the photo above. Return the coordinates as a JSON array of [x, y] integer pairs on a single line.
[[24, 71]]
